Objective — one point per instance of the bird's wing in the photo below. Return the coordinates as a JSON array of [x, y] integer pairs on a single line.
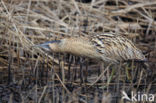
[[116, 48]]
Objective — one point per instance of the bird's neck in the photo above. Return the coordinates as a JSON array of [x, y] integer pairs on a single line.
[[81, 47]]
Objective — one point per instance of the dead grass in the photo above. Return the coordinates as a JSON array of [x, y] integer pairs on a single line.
[[33, 75]]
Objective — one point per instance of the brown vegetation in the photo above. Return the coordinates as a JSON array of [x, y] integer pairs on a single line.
[[29, 74]]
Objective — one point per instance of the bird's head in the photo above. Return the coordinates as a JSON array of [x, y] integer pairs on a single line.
[[54, 45]]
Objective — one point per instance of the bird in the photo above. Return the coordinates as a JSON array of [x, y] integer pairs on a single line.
[[105, 47]]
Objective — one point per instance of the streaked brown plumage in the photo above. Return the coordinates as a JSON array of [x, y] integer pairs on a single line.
[[106, 47]]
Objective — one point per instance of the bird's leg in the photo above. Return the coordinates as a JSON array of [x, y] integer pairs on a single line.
[[135, 71], [129, 70], [110, 76]]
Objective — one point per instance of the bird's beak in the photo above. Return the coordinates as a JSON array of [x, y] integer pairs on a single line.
[[45, 45]]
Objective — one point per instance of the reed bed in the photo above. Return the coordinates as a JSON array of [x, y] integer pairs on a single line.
[[30, 74]]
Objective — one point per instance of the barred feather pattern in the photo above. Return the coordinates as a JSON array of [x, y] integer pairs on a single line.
[[116, 48], [106, 47]]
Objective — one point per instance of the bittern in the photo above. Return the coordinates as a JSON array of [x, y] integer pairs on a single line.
[[106, 47]]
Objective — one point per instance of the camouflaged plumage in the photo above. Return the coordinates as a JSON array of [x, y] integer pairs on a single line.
[[106, 47]]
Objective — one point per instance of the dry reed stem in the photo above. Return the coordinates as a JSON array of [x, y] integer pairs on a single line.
[[26, 23]]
